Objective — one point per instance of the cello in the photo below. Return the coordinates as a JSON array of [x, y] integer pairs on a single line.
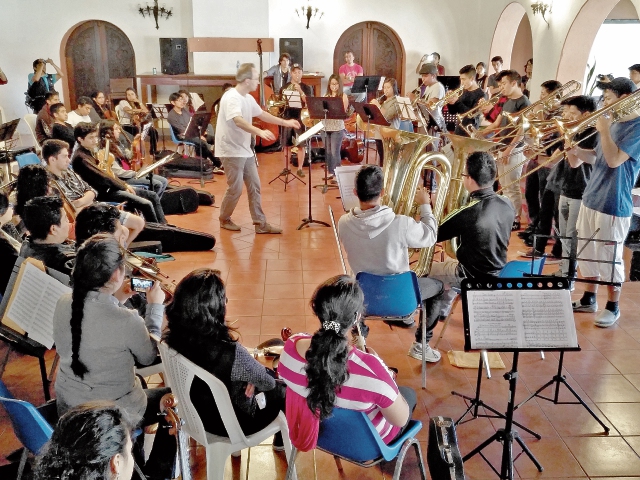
[[259, 97]]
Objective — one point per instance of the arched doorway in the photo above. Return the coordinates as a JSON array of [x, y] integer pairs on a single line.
[[95, 52], [579, 40], [509, 25], [376, 47]]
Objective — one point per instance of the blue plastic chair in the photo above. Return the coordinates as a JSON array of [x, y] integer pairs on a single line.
[[179, 142], [394, 296], [350, 435], [28, 158], [520, 268], [29, 425]]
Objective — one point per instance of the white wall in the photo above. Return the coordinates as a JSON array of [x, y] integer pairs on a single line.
[[609, 53]]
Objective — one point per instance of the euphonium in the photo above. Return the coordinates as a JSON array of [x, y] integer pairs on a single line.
[[405, 160]]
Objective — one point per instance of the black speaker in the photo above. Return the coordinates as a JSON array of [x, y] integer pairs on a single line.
[[174, 56], [292, 46]]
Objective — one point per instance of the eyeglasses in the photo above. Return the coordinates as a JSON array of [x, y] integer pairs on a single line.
[[464, 174]]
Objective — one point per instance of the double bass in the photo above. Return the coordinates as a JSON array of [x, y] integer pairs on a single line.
[[264, 91]]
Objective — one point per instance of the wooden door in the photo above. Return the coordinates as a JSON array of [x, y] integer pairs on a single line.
[[96, 52], [376, 47]]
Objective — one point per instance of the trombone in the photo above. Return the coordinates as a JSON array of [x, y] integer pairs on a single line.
[[482, 104], [549, 104]]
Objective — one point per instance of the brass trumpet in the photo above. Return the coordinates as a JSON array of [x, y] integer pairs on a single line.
[[441, 103]]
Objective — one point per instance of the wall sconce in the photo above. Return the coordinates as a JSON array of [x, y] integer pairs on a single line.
[[155, 11], [542, 7], [309, 11]]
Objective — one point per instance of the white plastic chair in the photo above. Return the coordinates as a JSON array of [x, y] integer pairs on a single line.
[[179, 376], [30, 120]]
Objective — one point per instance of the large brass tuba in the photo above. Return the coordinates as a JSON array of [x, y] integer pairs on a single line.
[[404, 161]]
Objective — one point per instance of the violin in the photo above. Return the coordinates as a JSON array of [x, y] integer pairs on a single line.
[[146, 268], [136, 150], [169, 408]]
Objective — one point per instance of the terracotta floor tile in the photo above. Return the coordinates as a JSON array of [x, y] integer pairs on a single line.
[[283, 291], [272, 325], [608, 388], [245, 291], [291, 306], [246, 277], [284, 264], [588, 361], [604, 456], [575, 420], [244, 307], [626, 361], [554, 456], [625, 417], [283, 277]]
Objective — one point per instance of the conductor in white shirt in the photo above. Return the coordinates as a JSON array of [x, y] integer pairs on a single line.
[[81, 114], [233, 146]]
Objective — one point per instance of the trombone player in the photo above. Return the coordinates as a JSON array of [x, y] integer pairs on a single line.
[[606, 201], [468, 100]]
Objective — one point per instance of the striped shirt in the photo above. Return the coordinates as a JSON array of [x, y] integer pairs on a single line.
[[368, 388]]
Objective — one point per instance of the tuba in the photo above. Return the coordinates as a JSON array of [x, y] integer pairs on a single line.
[[405, 160]]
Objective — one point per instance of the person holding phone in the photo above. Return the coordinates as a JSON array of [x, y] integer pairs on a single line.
[[99, 340]]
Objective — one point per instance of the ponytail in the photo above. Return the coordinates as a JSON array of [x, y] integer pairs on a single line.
[[337, 303]]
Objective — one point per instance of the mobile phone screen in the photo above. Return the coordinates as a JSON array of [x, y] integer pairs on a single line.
[[140, 284]]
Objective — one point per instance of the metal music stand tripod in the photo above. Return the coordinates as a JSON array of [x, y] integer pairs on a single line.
[[326, 108], [371, 114], [160, 111], [305, 137], [286, 172]]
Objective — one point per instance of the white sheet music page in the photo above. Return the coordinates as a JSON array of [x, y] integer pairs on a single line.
[[35, 302], [346, 178], [521, 319]]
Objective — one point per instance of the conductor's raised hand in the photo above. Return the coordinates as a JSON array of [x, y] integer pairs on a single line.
[[266, 135], [292, 123]]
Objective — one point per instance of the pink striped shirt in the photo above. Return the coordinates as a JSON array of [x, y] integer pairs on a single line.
[[368, 388]]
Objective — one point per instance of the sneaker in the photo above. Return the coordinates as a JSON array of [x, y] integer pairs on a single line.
[[300, 172], [579, 307], [229, 225], [267, 228], [407, 322], [606, 318], [218, 170], [415, 351]]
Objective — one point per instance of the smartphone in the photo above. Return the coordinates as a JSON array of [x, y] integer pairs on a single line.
[[140, 284]]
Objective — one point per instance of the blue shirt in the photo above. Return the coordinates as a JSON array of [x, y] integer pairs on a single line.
[[49, 79], [609, 189]]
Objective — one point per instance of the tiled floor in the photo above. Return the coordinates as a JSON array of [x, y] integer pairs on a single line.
[[270, 279]]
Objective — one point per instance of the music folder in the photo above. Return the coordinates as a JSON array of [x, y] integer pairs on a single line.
[[197, 124], [8, 129], [371, 83]]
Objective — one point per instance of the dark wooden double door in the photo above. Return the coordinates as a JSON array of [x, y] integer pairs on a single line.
[[376, 47], [96, 52]]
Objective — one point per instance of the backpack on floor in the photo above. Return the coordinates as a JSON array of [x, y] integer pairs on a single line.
[[180, 200]]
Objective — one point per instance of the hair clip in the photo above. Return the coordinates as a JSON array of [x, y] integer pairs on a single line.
[[332, 325]]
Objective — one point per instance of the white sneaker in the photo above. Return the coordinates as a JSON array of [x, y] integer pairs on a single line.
[[229, 225], [431, 356], [606, 318]]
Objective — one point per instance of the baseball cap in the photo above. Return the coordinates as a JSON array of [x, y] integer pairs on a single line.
[[620, 86], [429, 69]]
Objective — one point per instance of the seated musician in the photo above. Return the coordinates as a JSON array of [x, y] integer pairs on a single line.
[[281, 72], [48, 227], [110, 189], [91, 441], [197, 328], [82, 113], [134, 114], [294, 113], [122, 165], [9, 246], [100, 110], [327, 372], [66, 181], [99, 340], [32, 182], [483, 227], [469, 99], [179, 119], [376, 241], [61, 130], [44, 120]]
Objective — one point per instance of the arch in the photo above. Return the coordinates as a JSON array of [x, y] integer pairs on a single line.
[[376, 46], [579, 40], [505, 33], [94, 51]]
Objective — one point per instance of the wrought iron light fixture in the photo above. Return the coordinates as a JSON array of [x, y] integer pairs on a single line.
[[542, 7], [155, 12], [309, 11]]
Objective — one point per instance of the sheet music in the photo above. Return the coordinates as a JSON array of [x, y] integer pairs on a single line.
[[310, 132], [145, 131], [34, 303], [381, 84], [521, 319], [406, 110], [293, 98], [196, 100], [346, 178]]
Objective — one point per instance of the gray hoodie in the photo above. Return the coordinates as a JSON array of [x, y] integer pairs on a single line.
[[376, 240]]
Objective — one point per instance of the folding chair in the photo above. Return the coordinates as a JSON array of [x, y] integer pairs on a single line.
[[30, 120], [182, 143]]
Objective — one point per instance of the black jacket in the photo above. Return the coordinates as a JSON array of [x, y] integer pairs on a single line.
[[484, 228], [87, 167]]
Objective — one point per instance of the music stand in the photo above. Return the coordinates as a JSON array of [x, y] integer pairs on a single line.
[[197, 124], [326, 108], [305, 137], [160, 111], [292, 100], [7, 131], [514, 315], [372, 114], [371, 83]]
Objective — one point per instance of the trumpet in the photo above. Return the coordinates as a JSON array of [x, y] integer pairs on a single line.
[[478, 108], [440, 103]]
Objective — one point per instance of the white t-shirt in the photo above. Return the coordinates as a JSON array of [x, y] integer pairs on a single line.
[[232, 141], [433, 91], [74, 119]]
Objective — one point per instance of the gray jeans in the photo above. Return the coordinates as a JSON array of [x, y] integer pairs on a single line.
[[568, 209], [239, 170]]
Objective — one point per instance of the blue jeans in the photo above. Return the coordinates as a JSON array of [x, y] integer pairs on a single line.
[[333, 141], [159, 183]]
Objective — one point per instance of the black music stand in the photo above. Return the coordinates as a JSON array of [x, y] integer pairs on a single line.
[[6, 134], [306, 137], [366, 84], [197, 125], [499, 316], [372, 114], [160, 111], [286, 172], [326, 108]]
